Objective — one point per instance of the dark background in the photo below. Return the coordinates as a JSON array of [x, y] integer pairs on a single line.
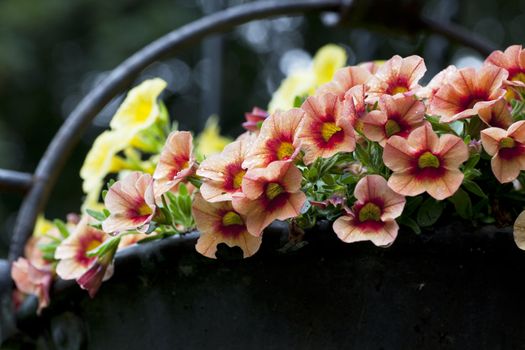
[[53, 52]]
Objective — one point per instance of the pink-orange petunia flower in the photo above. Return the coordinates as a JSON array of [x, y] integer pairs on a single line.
[[397, 116], [220, 223], [513, 61], [425, 162], [326, 127], [176, 162], [344, 79], [254, 119], [101, 269], [277, 139], [437, 81], [32, 280], [507, 148], [497, 115], [355, 98], [131, 204], [73, 251], [371, 66], [129, 240], [467, 92], [372, 217], [397, 76], [271, 193], [222, 173]]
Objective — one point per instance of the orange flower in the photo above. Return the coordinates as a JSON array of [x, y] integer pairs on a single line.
[[131, 204], [425, 163], [222, 173], [397, 76], [254, 119], [220, 223], [129, 240], [467, 92], [32, 280], [326, 127], [497, 115], [372, 217], [508, 150], [176, 162], [72, 252], [438, 81], [277, 139], [272, 193], [513, 61], [397, 116], [100, 270], [345, 79], [371, 66], [355, 100]]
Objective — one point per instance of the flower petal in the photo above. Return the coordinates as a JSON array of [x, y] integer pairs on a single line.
[[490, 139], [397, 154], [445, 186], [453, 150], [404, 183], [505, 170]]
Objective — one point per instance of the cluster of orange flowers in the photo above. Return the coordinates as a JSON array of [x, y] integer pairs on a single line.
[[424, 135]]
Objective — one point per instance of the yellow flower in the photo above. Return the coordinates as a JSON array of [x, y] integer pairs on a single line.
[[99, 161], [140, 109], [327, 60], [303, 82], [210, 140], [299, 83], [42, 226]]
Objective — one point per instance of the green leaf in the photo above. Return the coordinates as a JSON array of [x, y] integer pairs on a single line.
[[62, 228], [462, 203], [457, 127], [411, 223], [474, 188], [99, 216], [183, 190], [298, 101], [472, 162], [429, 212], [105, 247], [413, 203]]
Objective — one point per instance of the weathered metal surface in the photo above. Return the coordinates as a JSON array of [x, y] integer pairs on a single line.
[[15, 181], [454, 288]]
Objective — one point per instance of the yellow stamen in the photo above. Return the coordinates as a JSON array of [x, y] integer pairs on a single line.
[[273, 190], [93, 245], [399, 90], [144, 210], [507, 142], [237, 179], [370, 211], [328, 130], [428, 160], [285, 150], [232, 218], [359, 125], [519, 77], [392, 128]]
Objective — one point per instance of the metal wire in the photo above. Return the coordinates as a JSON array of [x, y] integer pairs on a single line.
[[15, 181]]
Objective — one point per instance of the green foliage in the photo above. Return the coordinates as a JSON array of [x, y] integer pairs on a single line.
[[429, 212]]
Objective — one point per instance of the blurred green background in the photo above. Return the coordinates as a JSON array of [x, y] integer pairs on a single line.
[[54, 52]]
